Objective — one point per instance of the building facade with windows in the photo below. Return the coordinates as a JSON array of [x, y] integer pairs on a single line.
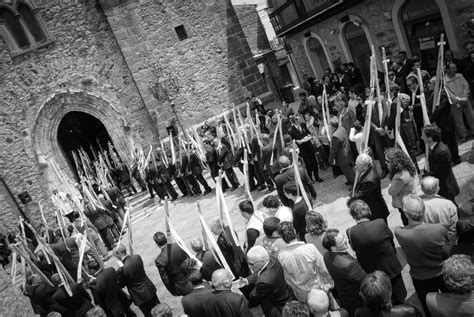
[[325, 33]]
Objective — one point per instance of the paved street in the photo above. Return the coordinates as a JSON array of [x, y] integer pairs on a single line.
[[331, 203]]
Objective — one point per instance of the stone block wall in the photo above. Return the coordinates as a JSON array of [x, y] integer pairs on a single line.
[[84, 57], [376, 15]]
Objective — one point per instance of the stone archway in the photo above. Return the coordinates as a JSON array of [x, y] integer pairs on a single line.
[[45, 131], [319, 59]]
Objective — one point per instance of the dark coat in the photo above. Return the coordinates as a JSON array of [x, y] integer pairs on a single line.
[[107, 294], [440, 167], [42, 295], [225, 157], [368, 189], [442, 115], [68, 252], [97, 216], [133, 275], [168, 263], [306, 148], [162, 172], [288, 175], [193, 303], [194, 166], [76, 305], [347, 275], [340, 148], [266, 158], [234, 256], [356, 76], [123, 173], [373, 244], [209, 264], [116, 196], [221, 303], [271, 290]]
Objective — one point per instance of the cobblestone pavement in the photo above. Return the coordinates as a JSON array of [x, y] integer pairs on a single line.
[[331, 203]]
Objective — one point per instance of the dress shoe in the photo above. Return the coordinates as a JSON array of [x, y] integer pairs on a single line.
[[319, 180]]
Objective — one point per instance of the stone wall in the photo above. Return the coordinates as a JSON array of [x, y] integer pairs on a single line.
[[84, 57], [376, 15]]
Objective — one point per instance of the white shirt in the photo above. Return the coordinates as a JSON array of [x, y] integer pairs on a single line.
[[284, 214]]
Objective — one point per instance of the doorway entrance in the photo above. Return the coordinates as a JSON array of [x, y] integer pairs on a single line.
[[81, 131], [423, 27], [359, 48]]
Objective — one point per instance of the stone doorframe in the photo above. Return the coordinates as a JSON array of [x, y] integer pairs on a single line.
[[45, 133], [402, 36], [308, 53]]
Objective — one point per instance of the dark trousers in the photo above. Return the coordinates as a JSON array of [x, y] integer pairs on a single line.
[[311, 165], [169, 189], [409, 137], [258, 174], [195, 180], [129, 186], [140, 181], [423, 287], [107, 237], [158, 189], [232, 177], [348, 172], [378, 145], [399, 291], [181, 185], [148, 306], [449, 138], [225, 185]]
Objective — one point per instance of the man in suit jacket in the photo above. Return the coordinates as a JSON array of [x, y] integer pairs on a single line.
[[100, 220], [76, 305], [222, 301], [68, 252], [354, 72], [168, 263], [368, 188], [373, 244], [340, 152], [270, 168], [106, 292], [405, 69], [41, 295], [271, 290], [193, 303], [300, 133], [439, 161], [286, 175], [209, 263], [132, 274], [345, 271], [164, 175]]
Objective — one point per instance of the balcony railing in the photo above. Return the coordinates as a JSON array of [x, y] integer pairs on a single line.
[[286, 15]]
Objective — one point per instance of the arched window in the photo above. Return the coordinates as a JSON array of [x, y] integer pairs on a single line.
[[31, 23], [21, 27], [13, 26], [317, 55]]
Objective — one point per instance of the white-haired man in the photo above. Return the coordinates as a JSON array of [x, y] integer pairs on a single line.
[[368, 187], [438, 209], [318, 302], [423, 245], [271, 290]]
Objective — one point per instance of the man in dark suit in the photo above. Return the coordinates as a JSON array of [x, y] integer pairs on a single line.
[[406, 66], [345, 271], [125, 180], [132, 274], [287, 174], [444, 119], [368, 187], [164, 175], [300, 133], [76, 305], [271, 290], [209, 263], [168, 263], [41, 295], [356, 75], [340, 153], [68, 252], [222, 301], [99, 219], [270, 168], [194, 168], [106, 292], [193, 303], [372, 241], [439, 161]]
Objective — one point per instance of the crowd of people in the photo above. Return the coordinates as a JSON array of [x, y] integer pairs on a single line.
[[291, 263]]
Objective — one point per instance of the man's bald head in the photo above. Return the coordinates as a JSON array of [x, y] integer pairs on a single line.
[[196, 245], [284, 161], [429, 185], [222, 279], [363, 162], [318, 301]]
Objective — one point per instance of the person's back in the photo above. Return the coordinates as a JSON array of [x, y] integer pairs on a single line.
[[422, 245], [140, 287], [193, 303], [442, 211], [402, 310], [449, 304], [168, 263]]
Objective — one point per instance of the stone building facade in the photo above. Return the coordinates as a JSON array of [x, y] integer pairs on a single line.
[[324, 34], [100, 58]]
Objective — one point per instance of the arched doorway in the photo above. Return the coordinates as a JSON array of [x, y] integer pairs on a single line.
[[358, 47], [82, 131], [317, 55], [423, 26]]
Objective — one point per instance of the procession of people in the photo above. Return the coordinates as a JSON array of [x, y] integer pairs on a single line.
[[289, 263]]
